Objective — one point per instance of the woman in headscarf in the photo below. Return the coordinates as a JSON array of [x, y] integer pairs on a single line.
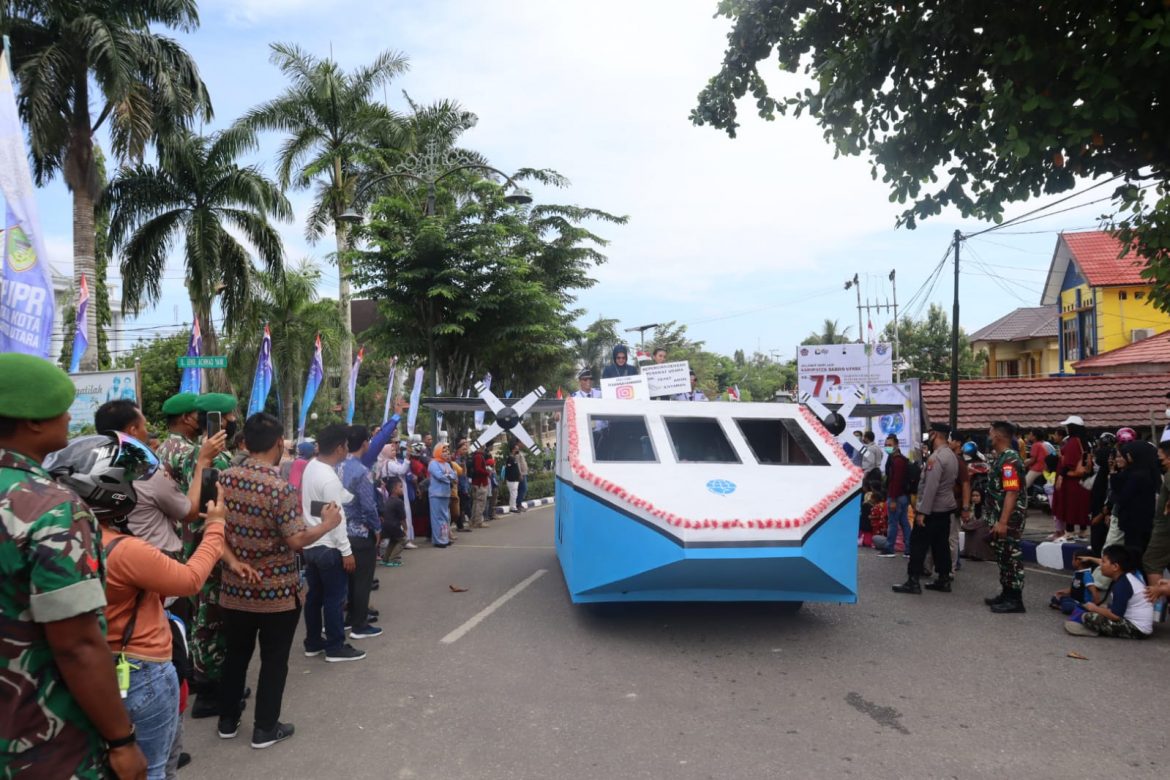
[[1071, 505], [441, 478], [1136, 498]]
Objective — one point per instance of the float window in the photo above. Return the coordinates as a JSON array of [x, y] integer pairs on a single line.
[[699, 440], [780, 443], [619, 438]]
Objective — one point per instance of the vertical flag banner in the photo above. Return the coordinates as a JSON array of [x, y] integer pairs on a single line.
[[192, 381], [353, 377], [26, 305], [733, 393], [438, 414], [312, 384], [487, 382], [80, 339], [415, 394], [390, 390], [262, 379]]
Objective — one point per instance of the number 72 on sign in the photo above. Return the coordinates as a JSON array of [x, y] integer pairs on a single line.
[[822, 382]]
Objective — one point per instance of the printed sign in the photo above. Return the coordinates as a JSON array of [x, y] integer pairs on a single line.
[[97, 387], [667, 378], [821, 368], [625, 388], [904, 424]]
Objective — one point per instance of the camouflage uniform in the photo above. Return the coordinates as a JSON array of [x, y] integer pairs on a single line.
[[1007, 475], [207, 638], [176, 454], [51, 568]]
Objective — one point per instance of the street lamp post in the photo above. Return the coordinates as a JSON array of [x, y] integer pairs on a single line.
[[641, 331], [429, 167]]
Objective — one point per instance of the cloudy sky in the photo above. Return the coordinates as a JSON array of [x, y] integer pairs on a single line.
[[747, 241]]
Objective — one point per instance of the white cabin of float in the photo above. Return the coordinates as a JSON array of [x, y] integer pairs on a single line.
[[720, 473]]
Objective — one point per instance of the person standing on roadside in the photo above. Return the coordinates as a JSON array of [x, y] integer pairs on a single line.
[[898, 492], [62, 712], [363, 523], [482, 466], [441, 477], [522, 488], [936, 504], [1005, 511]]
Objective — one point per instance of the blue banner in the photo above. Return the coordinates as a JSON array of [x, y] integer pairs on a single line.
[[415, 394], [80, 331], [192, 380], [312, 384], [262, 380], [26, 305], [390, 390], [353, 377]]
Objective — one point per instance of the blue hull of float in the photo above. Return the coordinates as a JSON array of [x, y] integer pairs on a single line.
[[609, 555]]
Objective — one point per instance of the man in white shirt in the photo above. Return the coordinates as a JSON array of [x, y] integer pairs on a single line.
[[329, 560]]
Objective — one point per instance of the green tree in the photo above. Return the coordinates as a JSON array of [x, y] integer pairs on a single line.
[[591, 347], [159, 372], [72, 57], [201, 195], [332, 122], [831, 333], [925, 346], [288, 302], [1001, 101]]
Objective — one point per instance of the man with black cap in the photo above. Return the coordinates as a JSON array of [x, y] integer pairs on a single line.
[[61, 709], [585, 385], [932, 522]]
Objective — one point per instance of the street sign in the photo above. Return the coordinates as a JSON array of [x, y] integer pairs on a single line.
[[204, 361]]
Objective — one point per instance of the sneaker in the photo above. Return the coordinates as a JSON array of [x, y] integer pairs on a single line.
[[1076, 628], [887, 554], [905, 555], [392, 564], [263, 739], [373, 612], [346, 653], [228, 729], [410, 546], [311, 653], [369, 632]]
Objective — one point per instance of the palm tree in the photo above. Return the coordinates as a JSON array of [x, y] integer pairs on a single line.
[[332, 121], [146, 84], [591, 347], [831, 333], [288, 303], [197, 194]]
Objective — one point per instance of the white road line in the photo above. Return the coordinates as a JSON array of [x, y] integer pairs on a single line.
[[479, 617]]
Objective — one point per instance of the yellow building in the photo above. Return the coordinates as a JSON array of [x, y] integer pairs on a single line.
[[1103, 299], [1022, 343]]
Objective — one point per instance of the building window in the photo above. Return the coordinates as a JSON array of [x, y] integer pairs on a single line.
[[1088, 327], [1070, 342], [1137, 296], [1007, 368], [625, 440], [1121, 296], [780, 443], [699, 440]]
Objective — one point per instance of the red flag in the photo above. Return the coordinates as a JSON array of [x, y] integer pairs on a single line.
[[560, 394]]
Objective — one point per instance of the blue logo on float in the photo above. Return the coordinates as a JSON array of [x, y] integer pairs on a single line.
[[721, 487]]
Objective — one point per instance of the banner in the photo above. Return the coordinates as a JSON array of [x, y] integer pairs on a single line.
[[262, 379], [26, 303], [94, 389], [81, 329], [666, 379], [192, 380], [487, 382], [820, 368], [626, 388], [905, 424], [390, 390], [415, 394], [353, 378], [312, 384], [438, 414]]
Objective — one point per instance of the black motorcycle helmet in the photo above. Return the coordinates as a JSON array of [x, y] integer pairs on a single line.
[[101, 469]]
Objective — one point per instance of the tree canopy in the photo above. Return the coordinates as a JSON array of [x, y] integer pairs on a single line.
[[925, 347], [972, 104]]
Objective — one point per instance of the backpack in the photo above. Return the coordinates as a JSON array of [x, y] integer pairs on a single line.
[[913, 475]]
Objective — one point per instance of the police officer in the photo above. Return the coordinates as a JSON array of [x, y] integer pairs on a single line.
[[52, 598], [1006, 514]]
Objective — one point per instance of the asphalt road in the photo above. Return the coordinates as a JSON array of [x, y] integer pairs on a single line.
[[892, 687]]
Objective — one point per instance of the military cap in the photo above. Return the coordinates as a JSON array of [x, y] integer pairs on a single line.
[[940, 427], [216, 402], [179, 403], [587, 374], [32, 388]]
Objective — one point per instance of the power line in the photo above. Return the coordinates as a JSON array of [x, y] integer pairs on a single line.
[[1022, 218]]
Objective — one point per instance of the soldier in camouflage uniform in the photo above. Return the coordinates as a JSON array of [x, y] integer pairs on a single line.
[[178, 450], [1005, 512], [61, 715]]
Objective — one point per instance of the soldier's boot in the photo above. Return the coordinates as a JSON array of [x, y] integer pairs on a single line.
[[909, 586], [1011, 604], [942, 584], [993, 600]]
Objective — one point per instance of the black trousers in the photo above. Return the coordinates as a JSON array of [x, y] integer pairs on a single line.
[[275, 632], [361, 579], [933, 535]]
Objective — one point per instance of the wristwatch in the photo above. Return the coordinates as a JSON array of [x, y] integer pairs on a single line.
[[129, 739]]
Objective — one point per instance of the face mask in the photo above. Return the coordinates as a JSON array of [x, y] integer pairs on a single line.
[[889, 450], [230, 427]]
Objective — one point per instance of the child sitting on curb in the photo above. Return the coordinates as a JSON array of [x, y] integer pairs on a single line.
[[1127, 615]]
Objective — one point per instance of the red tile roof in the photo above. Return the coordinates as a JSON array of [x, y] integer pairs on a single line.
[[1098, 256], [1155, 349], [1103, 401]]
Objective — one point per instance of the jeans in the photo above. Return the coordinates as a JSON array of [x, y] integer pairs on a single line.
[[275, 631], [440, 520], [328, 588], [361, 579], [153, 705], [522, 491], [899, 518], [933, 535]]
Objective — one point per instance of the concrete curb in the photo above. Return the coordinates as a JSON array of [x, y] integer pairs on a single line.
[[503, 510], [1057, 556]]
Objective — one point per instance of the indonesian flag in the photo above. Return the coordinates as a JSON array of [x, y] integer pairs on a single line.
[[870, 331], [733, 393], [643, 357], [560, 394]]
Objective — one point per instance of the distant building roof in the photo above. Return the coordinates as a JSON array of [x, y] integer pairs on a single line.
[[1098, 257], [1103, 401], [364, 314], [1029, 322], [1155, 349]]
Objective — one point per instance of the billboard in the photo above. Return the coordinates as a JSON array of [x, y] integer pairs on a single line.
[[906, 424], [820, 368], [94, 388]]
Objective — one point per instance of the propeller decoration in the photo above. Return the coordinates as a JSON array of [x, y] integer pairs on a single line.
[[835, 422], [508, 418]]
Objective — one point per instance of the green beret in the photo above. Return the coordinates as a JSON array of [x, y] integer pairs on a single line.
[[216, 402], [32, 388], [180, 403]]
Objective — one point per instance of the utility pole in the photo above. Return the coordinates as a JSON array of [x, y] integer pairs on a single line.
[[894, 287], [955, 341], [641, 331], [855, 283]]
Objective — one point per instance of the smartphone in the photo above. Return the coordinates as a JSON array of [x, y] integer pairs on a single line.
[[214, 421], [316, 508], [207, 488]]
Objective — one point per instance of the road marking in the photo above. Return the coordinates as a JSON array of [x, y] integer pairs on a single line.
[[1063, 575], [479, 617], [503, 547]]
